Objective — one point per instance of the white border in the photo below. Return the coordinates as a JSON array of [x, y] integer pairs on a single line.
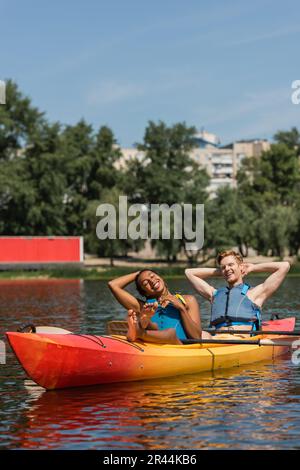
[[81, 256]]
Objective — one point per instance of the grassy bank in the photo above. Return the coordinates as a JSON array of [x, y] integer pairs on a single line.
[[106, 273]]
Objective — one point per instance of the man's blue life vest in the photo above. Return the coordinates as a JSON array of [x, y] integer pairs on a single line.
[[169, 317], [233, 306]]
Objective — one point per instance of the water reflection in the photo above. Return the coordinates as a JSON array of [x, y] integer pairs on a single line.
[[42, 302], [198, 411]]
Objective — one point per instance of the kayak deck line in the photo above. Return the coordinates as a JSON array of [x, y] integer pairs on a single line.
[[213, 359], [117, 338], [93, 338]]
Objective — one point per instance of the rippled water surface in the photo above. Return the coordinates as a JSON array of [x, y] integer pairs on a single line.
[[254, 407]]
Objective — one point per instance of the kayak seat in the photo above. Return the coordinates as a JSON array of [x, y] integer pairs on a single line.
[[116, 327]]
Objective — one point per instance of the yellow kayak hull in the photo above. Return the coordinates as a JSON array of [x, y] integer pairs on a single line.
[[69, 360]]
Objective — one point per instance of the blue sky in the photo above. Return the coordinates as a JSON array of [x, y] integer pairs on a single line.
[[226, 66]]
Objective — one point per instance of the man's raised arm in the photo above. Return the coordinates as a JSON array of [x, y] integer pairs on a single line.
[[262, 292], [196, 277]]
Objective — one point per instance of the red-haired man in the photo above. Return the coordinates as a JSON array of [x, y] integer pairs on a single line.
[[237, 305]]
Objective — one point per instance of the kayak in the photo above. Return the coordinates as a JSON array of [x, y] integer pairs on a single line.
[[64, 360]]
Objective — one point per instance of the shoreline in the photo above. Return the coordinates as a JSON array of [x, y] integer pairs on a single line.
[[105, 273]]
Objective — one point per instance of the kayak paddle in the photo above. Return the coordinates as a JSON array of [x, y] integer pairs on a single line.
[[259, 342]]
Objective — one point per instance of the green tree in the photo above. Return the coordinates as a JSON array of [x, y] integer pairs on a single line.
[[19, 120], [229, 222], [290, 138], [75, 148], [165, 169], [103, 172], [166, 174], [32, 184], [274, 176], [108, 247], [17, 197], [273, 230], [294, 232], [269, 186], [44, 168]]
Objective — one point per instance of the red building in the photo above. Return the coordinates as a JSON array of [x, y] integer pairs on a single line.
[[38, 252]]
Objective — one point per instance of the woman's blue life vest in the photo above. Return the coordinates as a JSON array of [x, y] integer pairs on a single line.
[[232, 306], [169, 317]]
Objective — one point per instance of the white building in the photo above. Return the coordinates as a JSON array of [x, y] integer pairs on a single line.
[[220, 162], [127, 155], [217, 161]]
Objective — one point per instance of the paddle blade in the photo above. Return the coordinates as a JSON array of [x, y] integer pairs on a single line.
[[283, 324], [52, 330]]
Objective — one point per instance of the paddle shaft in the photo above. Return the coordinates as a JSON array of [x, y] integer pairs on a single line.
[[254, 333], [259, 342]]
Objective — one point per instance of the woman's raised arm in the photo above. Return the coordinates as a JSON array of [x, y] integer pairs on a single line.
[[117, 286]]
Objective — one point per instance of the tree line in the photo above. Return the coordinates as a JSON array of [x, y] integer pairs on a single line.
[[53, 177]]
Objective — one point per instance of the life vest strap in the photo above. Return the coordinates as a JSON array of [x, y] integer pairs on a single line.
[[228, 320], [245, 289], [180, 297]]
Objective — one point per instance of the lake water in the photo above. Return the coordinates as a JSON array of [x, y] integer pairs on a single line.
[[253, 407]]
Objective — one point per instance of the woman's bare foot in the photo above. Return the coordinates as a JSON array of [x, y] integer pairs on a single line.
[[132, 325], [144, 320]]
